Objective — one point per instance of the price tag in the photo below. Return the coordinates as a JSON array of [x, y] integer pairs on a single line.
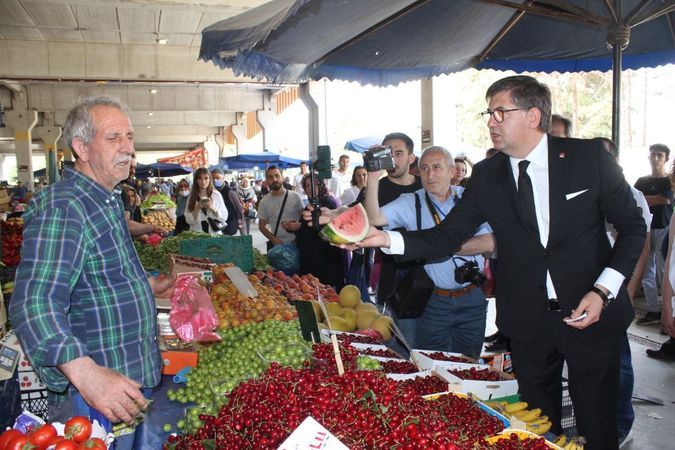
[[311, 435]]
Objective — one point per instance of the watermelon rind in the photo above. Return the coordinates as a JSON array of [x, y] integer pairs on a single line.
[[333, 234]]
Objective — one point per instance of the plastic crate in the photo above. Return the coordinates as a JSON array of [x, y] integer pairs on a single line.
[[567, 420], [221, 250], [35, 402]]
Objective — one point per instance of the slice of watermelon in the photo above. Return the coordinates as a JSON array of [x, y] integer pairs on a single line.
[[349, 227]]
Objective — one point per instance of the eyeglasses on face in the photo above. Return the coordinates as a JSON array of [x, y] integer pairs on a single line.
[[497, 114]]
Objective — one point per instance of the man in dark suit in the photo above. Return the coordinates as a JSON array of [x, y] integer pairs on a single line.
[[562, 295]]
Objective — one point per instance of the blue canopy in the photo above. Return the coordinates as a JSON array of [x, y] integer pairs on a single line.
[[385, 42], [161, 170], [362, 144], [260, 160]]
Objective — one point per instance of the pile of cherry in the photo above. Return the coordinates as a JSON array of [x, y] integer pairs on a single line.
[[363, 409]]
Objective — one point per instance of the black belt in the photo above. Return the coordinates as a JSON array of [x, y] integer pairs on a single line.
[[552, 304]]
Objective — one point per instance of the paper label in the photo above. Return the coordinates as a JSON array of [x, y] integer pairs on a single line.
[[311, 435]]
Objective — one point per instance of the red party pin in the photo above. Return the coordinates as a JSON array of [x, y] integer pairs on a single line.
[[561, 155]]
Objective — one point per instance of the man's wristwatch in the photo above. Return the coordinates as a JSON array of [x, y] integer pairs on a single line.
[[606, 298]]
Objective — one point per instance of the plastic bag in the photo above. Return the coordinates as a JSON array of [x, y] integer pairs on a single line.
[[285, 257], [192, 315]]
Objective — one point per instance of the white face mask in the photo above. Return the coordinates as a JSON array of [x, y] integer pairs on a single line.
[[184, 193]]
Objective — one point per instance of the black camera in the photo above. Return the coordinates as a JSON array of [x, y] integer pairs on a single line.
[[469, 273], [378, 158]]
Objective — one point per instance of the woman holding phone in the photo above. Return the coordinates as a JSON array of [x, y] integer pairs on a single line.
[[205, 209]]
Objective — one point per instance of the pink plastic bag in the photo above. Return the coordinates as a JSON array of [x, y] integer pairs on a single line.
[[192, 315]]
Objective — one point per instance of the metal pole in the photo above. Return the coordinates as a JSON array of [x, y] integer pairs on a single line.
[[616, 94]]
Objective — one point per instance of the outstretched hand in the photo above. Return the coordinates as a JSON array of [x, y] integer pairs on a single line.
[[374, 238]]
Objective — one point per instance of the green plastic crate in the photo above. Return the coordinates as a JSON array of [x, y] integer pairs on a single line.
[[221, 250]]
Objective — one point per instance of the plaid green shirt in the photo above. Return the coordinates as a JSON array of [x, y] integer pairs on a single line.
[[80, 289]]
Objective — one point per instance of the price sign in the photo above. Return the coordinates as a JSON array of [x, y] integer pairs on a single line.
[[311, 435]]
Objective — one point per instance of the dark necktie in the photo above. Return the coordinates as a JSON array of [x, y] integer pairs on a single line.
[[526, 197]]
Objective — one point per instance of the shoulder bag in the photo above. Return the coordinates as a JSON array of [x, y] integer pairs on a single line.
[[413, 285], [276, 227]]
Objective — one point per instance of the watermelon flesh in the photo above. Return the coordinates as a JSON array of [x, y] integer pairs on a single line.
[[348, 227]]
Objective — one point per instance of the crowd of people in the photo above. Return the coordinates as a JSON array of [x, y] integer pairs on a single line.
[[567, 237]]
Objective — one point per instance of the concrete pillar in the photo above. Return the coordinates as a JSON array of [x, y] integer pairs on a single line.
[[267, 120], [2, 171], [427, 111], [50, 136], [313, 118], [239, 130], [22, 121]]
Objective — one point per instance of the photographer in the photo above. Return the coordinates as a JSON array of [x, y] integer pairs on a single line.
[[454, 317]]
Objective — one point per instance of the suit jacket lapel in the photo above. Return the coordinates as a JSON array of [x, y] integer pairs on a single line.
[[558, 174]]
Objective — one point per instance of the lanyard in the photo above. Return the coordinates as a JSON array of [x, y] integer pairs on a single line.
[[433, 209]]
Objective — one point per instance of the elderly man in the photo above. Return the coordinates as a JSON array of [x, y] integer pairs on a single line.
[[561, 285], [83, 307], [454, 317]]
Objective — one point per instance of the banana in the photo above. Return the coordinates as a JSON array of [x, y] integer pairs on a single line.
[[539, 428], [528, 415], [539, 420], [515, 407], [561, 440], [575, 443]]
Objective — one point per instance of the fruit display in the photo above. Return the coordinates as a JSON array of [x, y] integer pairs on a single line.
[[234, 309], [159, 218], [12, 238], [30, 432], [384, 353], [398, 366], [348, 227], [236, 357], [426, 385], [297, 287], [363, 409]]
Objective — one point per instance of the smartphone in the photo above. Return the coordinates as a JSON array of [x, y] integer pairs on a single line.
[[581, 317]]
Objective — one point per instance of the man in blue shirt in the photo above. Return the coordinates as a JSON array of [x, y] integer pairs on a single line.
[[454, 318]]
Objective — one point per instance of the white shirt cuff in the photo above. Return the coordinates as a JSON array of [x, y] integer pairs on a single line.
[[396, 244], [611, 279]]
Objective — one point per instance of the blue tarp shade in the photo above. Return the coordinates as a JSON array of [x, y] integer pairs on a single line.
[[362, 144], [384, 42], [260, 160]]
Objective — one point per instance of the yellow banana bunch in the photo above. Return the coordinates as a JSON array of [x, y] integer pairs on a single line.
[[512, 408], [528, 415], [539, 428], [560, 441]]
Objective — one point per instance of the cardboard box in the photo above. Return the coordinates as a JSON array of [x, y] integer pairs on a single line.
[[175, 361], [29, 381], [363, 348], [485, 390], [425, 362]]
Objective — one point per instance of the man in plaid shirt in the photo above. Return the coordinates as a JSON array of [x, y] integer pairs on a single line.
[[83, 307]]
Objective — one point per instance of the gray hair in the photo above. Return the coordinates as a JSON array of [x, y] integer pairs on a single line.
[[526, 92], [79, 123], [439, 149]]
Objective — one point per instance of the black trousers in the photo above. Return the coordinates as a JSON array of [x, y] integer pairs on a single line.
[[593, 372]]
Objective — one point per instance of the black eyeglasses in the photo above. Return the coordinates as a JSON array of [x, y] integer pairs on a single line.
[[498, 114]]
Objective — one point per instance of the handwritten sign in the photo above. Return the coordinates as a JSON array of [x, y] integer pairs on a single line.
[[311, 435]]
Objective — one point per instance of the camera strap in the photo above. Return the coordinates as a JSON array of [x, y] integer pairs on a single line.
[[432, 209]]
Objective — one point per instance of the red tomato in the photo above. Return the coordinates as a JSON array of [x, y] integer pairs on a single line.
[[7, 436], [19, 443], [55, 440], [43, 435], [66, 445], [93, 443], [78, 429]]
